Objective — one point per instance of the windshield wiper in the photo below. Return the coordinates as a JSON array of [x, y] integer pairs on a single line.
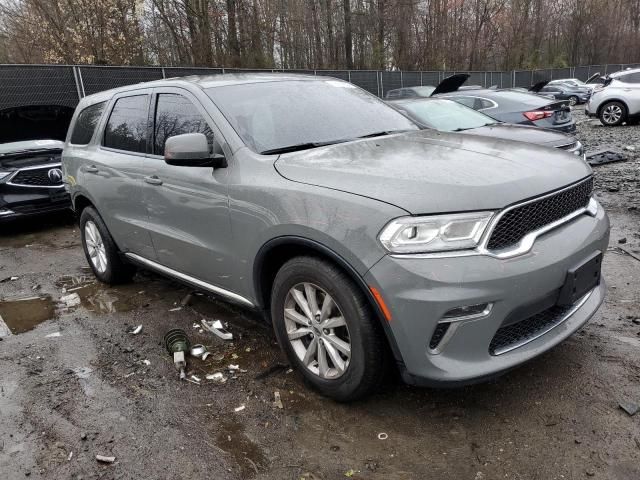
[[383, 133], [300, 146]]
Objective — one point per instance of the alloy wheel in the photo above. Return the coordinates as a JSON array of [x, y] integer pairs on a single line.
[[95, 246], [612, 114], [572, 101], [317, 331]]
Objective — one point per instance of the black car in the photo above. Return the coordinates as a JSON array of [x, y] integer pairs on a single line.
[[449, 116], [31, 179]]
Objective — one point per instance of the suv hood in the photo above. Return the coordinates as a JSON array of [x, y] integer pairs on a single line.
[[435, 172]]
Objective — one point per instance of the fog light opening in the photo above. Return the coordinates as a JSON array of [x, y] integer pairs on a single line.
[[467, 312], [5, 211]]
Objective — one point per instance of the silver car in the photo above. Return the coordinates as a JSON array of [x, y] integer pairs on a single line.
[[366, 242], [617, 100]]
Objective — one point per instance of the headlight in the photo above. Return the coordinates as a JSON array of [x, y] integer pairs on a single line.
[[4, 174], [435, 233]]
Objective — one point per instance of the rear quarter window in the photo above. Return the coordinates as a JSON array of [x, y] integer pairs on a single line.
[[86, 124], [630, 78]]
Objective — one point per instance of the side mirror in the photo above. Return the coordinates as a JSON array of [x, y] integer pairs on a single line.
[[192, 150]]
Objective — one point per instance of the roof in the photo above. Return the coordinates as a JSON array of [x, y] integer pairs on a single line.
[[15, 147], [624, 72], [208, 81]]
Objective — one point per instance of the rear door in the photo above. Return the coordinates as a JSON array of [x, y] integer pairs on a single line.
[[187, 206], [112, 172]]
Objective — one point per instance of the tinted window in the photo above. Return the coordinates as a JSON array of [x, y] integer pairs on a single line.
[[273, 115], [176, 115], [86, 124], [467, 101], [630, 78], [482, 104], [127, 125]]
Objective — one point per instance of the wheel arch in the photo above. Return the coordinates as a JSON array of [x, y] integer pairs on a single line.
[[81, 201], [609, 100], [273, 254]]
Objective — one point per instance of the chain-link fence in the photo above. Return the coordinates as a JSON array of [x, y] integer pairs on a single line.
[[27, 85]]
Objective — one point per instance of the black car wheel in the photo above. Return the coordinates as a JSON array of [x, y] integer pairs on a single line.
[[613, 114], [326, 327], [573, 100], [101, 251]]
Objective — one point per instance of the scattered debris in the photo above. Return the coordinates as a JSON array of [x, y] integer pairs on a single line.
[[350, 473], [70, 456], [278, 367], [134, 330], [186, 300], [177, 343], [177, 309], [630, 408], [606, 155], [146, 362], [233, 367], [623, 251], [53, 335], [199, 351], [105, 459], [217, 377], [382, 436], [9, 279], [196, 378], [277, 401], [622, 240], [630, 148], [216, 327], [71, 300], [239, 409]]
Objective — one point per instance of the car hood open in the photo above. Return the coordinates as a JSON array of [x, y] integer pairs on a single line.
[[434, 172]]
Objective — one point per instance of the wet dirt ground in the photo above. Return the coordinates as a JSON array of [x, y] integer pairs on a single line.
[[74, 384]]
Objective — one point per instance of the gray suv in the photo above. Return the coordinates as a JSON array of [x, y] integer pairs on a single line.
[[365, 241]]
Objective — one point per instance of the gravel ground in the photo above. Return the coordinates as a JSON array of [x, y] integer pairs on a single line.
[[96, 389]]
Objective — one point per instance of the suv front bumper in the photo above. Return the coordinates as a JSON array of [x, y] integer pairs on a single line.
[[419, 290]]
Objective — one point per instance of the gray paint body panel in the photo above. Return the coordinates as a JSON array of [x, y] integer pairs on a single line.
[[209, 225]]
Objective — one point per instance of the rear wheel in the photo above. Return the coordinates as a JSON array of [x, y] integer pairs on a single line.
[[325, 325], [101, 251], [613, 114]]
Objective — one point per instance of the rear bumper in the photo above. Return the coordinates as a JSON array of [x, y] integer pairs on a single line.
[[419, 291]]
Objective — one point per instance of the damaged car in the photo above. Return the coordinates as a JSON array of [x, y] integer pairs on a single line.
[[366, 242], [617, 100], [449, 116], [31, 179]]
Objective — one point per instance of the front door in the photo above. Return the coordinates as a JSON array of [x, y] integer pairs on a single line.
[[187, 206]]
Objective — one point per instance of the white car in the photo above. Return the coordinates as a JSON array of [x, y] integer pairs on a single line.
[[575, 82], [618, 100]]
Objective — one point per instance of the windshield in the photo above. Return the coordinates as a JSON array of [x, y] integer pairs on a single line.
[[272, 116], [425, 91], [446, 115]]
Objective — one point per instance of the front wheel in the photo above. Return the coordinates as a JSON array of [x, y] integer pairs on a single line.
[[613, 114], [101, 251], [326, 327], [573, 100]]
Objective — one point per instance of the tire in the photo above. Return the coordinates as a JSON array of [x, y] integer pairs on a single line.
[[573, 100], [364, 369], [612, 114], [101, 251]]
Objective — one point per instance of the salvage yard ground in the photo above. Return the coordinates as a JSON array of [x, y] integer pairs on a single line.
[[97, 390]]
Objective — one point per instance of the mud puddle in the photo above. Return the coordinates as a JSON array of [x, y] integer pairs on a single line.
[[247, 454], [25, 314]]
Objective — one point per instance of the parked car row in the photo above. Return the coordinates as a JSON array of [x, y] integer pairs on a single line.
[[367, 240]]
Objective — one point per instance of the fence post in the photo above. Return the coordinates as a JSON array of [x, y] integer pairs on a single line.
[[378, 83], [349, 75], [401, 80], [77, 82], [84, 94], [381, 86], [163, 75]]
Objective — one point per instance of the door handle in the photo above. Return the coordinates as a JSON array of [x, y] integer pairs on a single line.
[[153, 180], [91, 169]]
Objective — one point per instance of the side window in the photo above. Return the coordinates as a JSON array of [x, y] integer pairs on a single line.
[[483, 104], [127, 125], [467, 101], [176, 115], [86, 124], [630, 78]]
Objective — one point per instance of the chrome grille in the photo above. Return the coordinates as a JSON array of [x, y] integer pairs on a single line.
[[531, 216], [35, 177]]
